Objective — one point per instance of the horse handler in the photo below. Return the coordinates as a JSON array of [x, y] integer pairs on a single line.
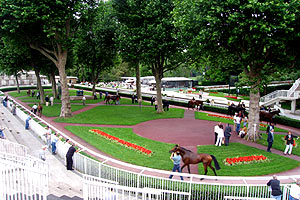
[[176, 158]]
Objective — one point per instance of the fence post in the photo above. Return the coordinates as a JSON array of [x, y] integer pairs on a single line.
[[190, 188], [138, 178]]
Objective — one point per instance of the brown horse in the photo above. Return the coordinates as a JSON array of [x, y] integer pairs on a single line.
[[269, 117], [111, 99], [189, 157], [195, 103]]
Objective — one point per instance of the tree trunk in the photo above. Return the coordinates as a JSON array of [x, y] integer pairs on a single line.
[[53, 83], [94, 87], [39, 84], [65, 97], [158, 91], [17, 81], [253, 125], [138, 81]]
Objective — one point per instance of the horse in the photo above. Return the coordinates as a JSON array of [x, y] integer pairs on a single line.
[[269, 117], [235, 109], [189, 157], [114, 98], [195, 103]]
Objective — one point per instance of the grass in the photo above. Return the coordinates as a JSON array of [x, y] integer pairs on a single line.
[[159, 159], [275, 164], [54, 111], [204, 116], [121, 115], [279, 143], [16, 94], [221, 94]]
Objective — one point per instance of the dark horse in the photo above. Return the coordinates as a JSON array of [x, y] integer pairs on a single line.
[[195, 103], [235, 109], [189, 157], [269, 117], [111, 99]]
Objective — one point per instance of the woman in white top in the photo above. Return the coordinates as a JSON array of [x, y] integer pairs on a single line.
[[220, 132]]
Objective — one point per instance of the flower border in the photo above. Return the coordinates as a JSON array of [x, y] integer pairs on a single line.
[[122, 142], [225, 117], [245, 160]]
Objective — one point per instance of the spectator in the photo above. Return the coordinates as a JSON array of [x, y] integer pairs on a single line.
[[289, 143], [275, 186], [28, 92], [237, 121], [200, 94], [243, 132], [51, 100], [32, 93], [110, 195], [42, 153], [216, 130], [38, 95], [47, 135], [245, 119], [176, 158], [100, 94], [220, 135], [2, 136], [270, 140], [34, 108], [270, 127], [83, 100], [152, 100], [54, 140], [155, 104], [27, 123], [13, 109], [227, 134], [69, 157], [295, 191], [47, 100]]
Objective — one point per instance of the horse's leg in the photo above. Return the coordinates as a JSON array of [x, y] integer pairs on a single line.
[[189, 168], [212, 169], [205, 169], [183, 166]]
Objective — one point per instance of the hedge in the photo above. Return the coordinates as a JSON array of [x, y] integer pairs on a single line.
[[4, 89], [246, 91], [287, 121]]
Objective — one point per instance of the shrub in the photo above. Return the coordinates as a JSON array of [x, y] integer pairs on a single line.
[[287, 121]]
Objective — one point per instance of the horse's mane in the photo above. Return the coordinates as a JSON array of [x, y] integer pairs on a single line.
[[185, 149]]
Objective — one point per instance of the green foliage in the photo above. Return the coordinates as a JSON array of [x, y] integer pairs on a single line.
[[287, 121], [253, 169], [54, 111], [121, 115]]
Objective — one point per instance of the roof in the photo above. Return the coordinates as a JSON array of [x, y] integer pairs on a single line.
[[176, 79]]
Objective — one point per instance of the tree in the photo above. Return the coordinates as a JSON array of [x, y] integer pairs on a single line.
[[48, 27], [95, 47], [13, 61], [259, 35], [147, 36]]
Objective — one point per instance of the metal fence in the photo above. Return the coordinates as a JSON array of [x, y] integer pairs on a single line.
[[13, 148], [137, 177]]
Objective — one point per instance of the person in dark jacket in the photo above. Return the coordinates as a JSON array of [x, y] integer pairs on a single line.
[[270, 140], [275, 186], [289, 143], [227, 134], [69, 157]]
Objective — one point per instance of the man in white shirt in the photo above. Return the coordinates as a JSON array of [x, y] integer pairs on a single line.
[[295, 191], [216, 130], [47, 135], [51, 100], [237, 121], [34, 108], [42, 153]]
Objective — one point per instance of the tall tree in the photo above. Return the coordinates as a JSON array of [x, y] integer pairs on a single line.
[[13, 60], [148, 36], [95, 47], [259, 34], [48, 27]]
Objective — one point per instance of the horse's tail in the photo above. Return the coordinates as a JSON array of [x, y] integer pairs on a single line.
[[216, 162]]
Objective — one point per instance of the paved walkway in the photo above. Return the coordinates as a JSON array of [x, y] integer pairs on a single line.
[[61, 181], [196, 132]]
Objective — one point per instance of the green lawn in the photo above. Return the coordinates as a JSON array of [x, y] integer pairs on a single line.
[[204, 116], [221, 94], [159, 159], [276, 162], [54, 111], [16, 94], [121, 115], [279, 143]]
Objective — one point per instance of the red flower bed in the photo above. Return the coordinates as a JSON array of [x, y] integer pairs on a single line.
[[122, 142], [233, 97], [245, 160], [214, 92]]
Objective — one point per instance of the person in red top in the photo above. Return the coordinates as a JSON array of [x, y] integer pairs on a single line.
[[289, 143]]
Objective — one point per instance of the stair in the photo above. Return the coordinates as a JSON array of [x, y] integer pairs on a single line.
[[64, 197]]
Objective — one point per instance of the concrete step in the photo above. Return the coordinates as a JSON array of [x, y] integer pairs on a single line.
[[64, 197]]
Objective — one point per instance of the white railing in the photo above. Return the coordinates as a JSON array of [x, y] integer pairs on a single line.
[[273, 95], [22, 182], [140, 177], [292, 90], [97, 189], [13, 148]]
